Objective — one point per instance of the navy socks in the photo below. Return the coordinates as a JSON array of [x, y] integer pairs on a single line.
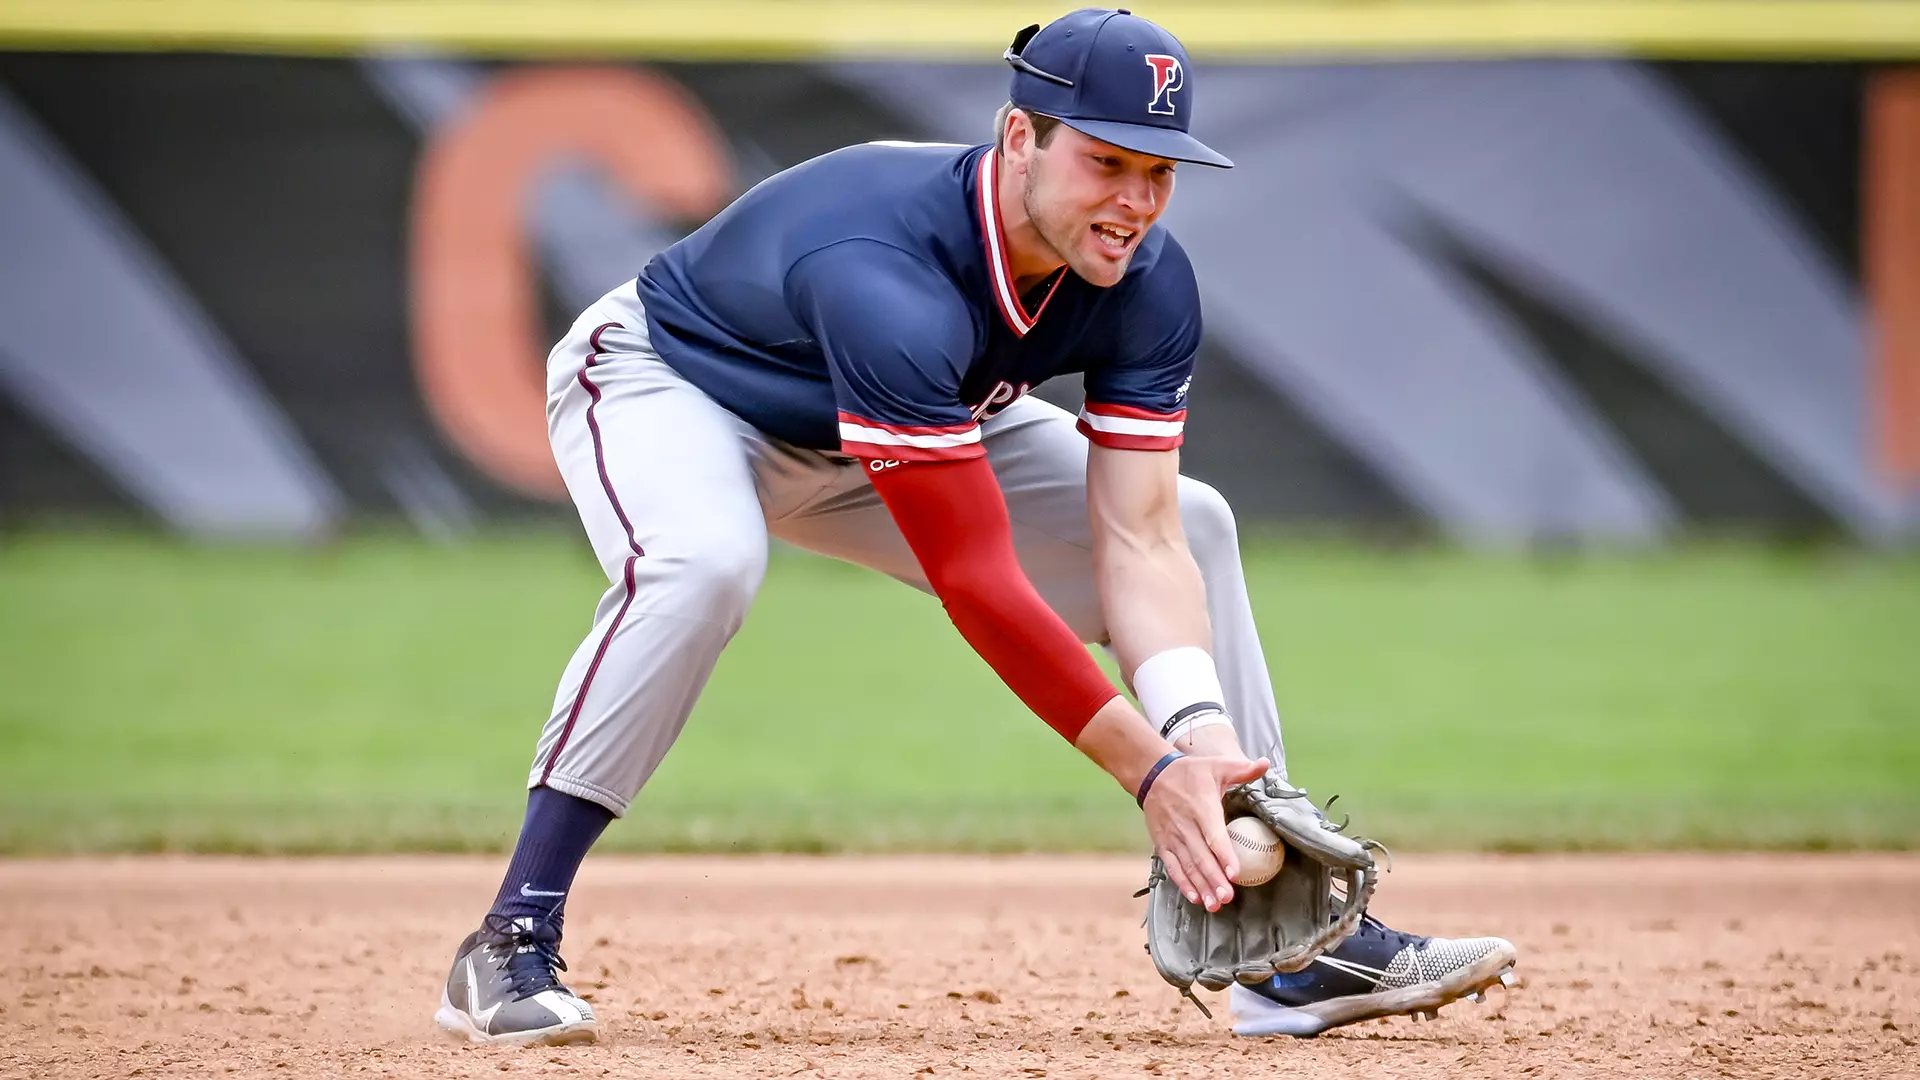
[[554, 840]]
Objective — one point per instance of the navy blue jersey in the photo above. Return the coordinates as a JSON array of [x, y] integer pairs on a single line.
[[862, 302]]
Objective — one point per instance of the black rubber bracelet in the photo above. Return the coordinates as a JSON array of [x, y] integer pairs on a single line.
[[1153, 774], [1194, 709]]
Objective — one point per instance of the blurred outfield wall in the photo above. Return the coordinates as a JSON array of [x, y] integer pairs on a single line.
[[1501, 271]]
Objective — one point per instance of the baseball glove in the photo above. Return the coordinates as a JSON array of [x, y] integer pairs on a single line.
[[1311, 905]]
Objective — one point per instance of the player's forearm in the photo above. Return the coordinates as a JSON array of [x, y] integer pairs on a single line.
[[954, 518], [1024, 648], [1155, 605], [999, 613], [1151, 595]]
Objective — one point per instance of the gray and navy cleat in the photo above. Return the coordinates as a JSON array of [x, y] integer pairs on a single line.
[[503, 989], [1377, 972]]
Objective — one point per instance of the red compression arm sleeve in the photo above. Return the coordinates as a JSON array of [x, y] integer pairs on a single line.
[[955, 519]]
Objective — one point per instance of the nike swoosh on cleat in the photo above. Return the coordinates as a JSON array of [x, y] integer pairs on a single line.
[[1372, 975], [527, 889], [481, 1017]]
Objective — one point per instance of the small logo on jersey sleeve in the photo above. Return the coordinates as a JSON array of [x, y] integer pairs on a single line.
[[1168, 76]]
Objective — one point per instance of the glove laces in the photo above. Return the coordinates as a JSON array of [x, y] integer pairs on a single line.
[[1289, 792]]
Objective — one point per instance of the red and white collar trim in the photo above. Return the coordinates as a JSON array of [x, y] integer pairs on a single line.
[[999, 271]]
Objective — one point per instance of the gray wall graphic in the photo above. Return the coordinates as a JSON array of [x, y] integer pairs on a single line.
[[100, 342], [1333, 265]]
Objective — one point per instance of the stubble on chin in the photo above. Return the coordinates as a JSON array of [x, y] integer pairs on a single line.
[[1063, 247]]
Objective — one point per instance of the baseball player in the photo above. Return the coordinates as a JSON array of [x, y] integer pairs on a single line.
[[842, 359]]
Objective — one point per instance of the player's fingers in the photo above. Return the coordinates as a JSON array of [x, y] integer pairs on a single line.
[[1203, 873], [1205, 867], [1177, 870], [1231, 773], [1221, 843]]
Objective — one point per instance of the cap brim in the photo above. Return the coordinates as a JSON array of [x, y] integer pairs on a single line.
[[1144, 139]]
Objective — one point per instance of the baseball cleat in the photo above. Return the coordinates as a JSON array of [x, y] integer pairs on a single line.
[[1377, 972], [503, 989]]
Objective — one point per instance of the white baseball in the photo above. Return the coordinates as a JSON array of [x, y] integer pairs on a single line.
[[1260, 851]]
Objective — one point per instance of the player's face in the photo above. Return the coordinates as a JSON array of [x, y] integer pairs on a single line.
[[1092, 202]]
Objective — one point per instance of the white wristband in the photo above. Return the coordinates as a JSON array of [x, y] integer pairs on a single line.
[[1187, 725], [1179, 687]]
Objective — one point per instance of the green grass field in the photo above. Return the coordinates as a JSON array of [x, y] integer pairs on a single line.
[[384, 694]]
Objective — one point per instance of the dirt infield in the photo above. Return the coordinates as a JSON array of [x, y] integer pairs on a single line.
[[1022, 967]]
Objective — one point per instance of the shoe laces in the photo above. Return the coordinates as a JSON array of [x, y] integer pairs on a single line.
[[533, 953], [1372, 927]]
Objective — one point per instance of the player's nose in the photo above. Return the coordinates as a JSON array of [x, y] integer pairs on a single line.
[[1137, 194]]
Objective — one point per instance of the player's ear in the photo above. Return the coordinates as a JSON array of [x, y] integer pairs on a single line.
[[1017, 136]]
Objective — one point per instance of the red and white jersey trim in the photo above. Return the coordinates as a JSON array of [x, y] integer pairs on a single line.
[[1126, 427], [871, 439], [999, 270]]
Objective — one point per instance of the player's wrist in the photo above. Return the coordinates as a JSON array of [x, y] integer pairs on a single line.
[[1119, 740], [1153, 773], [1214, 740], [1180, 693]]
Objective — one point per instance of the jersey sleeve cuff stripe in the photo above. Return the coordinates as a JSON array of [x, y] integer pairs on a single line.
[[1126, 420], [878, 452], [1134, 411], [934, 439], [1117, 441]]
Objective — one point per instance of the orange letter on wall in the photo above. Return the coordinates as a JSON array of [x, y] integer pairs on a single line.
[[478, 344]]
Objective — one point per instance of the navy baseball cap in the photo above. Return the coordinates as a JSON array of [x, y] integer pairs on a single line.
[[1113, 75]]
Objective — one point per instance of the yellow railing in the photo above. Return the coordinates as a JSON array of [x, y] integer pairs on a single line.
[[966, 29]]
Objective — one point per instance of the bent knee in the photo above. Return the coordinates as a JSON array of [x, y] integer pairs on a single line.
[[715, 578], [1206, 518]]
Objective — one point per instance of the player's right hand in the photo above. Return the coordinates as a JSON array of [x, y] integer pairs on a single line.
[[1188, 824]]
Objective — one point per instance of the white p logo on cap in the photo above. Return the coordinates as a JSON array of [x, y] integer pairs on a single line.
[[1167, 77]]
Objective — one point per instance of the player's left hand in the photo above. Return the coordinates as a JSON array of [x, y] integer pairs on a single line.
[[1188, 824]]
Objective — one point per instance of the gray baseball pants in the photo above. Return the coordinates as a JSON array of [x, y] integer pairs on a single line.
[[679, 497]]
